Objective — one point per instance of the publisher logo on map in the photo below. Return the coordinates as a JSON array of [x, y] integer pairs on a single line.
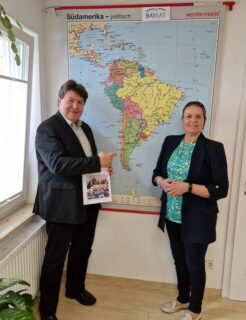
[[155, 14]]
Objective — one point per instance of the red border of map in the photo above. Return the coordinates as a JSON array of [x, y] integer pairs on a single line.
[[229, 4]]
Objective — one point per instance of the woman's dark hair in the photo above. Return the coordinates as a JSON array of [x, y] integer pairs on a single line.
[[197, 104], [72, 85]]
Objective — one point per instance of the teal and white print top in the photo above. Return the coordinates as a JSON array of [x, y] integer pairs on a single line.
[[177, 168]]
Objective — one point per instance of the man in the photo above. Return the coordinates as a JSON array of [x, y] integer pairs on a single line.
[[66, 149]]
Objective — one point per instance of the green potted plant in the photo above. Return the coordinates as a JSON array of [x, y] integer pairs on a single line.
[[15, 305], [7, 25]]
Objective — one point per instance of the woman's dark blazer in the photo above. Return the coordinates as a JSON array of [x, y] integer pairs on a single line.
[[208, 167], [61, 163]]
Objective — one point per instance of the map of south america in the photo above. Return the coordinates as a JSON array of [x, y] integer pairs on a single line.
[[143, 100], [139, 76]]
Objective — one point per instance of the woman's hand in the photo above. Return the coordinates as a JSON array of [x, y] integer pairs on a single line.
[[175, 188], [164, 184]]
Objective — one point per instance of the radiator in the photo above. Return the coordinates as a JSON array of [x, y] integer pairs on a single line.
[[23, 256]]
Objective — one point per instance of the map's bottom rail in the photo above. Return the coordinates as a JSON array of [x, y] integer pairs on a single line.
[[136, 201], [135, 204]]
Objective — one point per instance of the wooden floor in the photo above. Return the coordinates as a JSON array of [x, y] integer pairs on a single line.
[[127, 299]]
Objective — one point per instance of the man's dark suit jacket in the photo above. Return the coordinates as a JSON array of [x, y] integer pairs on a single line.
[[61, 162], [208, 167]]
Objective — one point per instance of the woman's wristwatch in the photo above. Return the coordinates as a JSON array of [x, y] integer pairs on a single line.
[[190, 188]]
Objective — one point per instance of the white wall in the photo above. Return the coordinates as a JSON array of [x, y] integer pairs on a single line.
[[130, 245], [235, 258]]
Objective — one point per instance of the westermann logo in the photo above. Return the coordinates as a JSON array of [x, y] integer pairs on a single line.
[[156, 14]]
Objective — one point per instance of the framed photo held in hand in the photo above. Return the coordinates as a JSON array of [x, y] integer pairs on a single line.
[[96, 187]]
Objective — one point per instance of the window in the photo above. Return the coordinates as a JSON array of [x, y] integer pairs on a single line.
[[14, 94]]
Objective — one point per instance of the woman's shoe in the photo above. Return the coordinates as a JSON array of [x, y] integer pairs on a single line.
[[188, 316], [173, 306]]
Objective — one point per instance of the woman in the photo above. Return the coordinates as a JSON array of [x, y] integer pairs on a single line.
[[192, 172]]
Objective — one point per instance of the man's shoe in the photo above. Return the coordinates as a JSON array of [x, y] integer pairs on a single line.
[[173, 306], [48, 317], [85, 297]]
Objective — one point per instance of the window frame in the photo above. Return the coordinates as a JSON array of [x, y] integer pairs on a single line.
[[20, 199]]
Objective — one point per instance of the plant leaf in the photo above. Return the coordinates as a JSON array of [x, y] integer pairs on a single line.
[[11, 35], [28, 299], [20, 291], [17, 59], [2, 10], [3, 302], [6, 23], [7, 283], [15, 314], [17, 300]]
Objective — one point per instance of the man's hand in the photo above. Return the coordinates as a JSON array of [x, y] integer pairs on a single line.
[[106, 159], [109, 170]]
